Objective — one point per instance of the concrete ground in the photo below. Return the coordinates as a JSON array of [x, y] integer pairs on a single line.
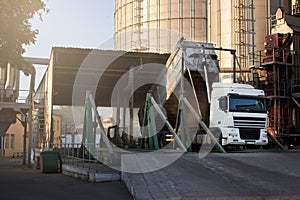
[[221, 176], [17, 182], [262, 175]]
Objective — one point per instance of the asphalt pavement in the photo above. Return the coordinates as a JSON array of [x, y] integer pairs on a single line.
[[255, 176], [21, 183]]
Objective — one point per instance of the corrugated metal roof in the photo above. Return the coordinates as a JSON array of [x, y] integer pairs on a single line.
[[91, 63], [293, 22]]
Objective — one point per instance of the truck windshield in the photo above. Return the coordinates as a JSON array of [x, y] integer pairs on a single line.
[[247, 104]]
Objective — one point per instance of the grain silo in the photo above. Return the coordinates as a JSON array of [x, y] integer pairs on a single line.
[[240, 25], [157, 25]]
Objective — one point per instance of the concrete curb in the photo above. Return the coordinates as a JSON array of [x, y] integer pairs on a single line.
[[92, 176]]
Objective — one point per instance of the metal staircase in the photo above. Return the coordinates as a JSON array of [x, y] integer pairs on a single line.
[[244, 32]]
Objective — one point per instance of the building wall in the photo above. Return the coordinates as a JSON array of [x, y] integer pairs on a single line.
[[12, 141]]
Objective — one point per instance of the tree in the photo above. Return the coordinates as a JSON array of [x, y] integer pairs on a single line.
[[16, 30]]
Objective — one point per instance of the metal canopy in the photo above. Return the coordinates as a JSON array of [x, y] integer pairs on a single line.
[[86, 66]]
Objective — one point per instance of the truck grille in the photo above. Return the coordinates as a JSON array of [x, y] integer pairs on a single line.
[[249, 122], [249, 127], [249, 134]]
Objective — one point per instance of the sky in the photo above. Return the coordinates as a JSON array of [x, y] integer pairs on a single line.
[[71, 23]]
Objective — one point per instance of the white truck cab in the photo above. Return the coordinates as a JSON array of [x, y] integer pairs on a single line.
[[240, 112]]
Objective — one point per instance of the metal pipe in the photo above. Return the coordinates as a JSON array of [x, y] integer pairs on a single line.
[[207, 84], [24, 140], [95, 130], [38, 61], [30, 115], [268, 10], [182, 73], [24, 124], [17, 84], [10, 79], [124, 116], [234, 68], [219, 25], [118, 112], [253, 31], [131, 103]]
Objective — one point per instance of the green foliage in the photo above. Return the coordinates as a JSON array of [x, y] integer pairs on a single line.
[[16, 30]]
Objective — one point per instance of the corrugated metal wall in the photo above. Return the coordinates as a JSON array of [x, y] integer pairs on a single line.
[[157, 25], [226, 28]]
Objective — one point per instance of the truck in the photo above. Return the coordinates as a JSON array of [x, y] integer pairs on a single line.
[[238, 112]]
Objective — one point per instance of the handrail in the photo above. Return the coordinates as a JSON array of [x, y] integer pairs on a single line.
[[14, 96]]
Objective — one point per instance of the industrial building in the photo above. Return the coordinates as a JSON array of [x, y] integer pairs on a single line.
[[185, 76], [264, 36], [156, 26], [248, 26]]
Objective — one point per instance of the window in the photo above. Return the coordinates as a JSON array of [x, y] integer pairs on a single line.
[[223, 103], [247, 104], [6, 142], [57, 125], [12, 141]]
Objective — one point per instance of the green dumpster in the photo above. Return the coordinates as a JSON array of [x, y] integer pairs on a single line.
[[49, 162]]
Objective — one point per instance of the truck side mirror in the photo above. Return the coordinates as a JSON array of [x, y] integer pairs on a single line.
[[223, 103]]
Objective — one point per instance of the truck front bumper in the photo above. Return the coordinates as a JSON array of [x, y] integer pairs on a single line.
[[231, 136]]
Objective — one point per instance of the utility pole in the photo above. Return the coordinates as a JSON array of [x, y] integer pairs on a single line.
[[30, 116], [24, 140], [24, 124]]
